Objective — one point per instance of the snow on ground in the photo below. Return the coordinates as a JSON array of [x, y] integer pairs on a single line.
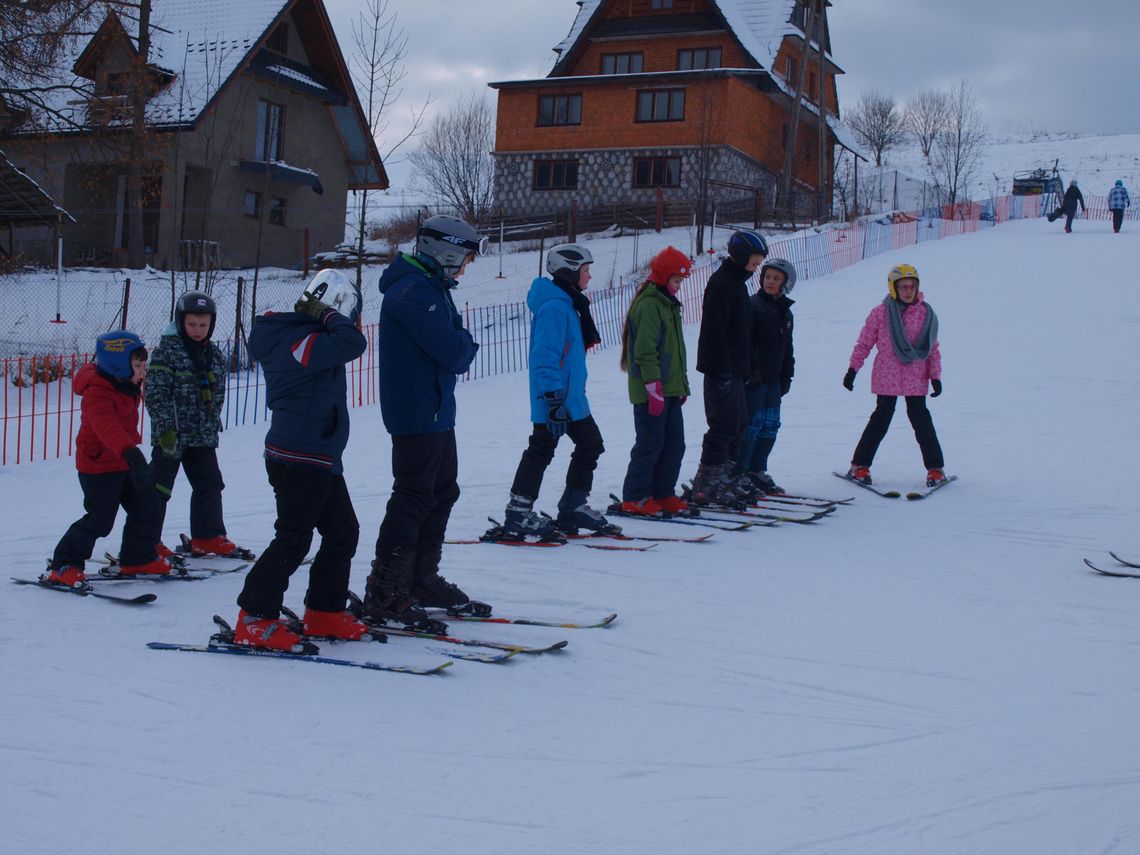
[[937, 677]]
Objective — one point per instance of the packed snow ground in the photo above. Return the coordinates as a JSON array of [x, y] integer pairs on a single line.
[[937, 677]]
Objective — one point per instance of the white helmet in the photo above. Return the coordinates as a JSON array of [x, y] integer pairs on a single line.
[[449, 240], [565, 261], [333, 289]]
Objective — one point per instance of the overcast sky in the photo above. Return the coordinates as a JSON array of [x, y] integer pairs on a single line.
[[1052, 65]]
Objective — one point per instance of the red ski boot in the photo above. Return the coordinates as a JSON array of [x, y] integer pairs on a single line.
[[267, 633], [220, 545], [67, 577], [158, 567], [341, 625]]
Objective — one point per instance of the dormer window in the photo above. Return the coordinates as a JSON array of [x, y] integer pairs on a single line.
[[270, 131], [118, 83], [279, 39], [660, 4], [698, 58]]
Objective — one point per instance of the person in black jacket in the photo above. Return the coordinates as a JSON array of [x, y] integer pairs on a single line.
[[773, 366], [1069, 206], [303, 354], [723, 357]]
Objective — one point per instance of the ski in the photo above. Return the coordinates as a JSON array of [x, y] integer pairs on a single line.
[[509, 649], [240, 650], [886, 494], [687, 519], [922, 494], [549, 543], [819, 499], [1122, 573], [754, 511], [182, 568], [1122, 561], [446, 615], [141, 599], [186, 549], [703, 538], [778, 498]]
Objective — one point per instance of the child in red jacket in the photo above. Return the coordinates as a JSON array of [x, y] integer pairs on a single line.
[[113, 470]]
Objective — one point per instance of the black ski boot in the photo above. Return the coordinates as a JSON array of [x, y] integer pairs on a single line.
[[575, 514], [434, 591], [521, 522], [764, 481], [387, 594], [713, 485]]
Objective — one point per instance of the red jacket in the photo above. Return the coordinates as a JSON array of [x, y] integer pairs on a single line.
[[109, 424]]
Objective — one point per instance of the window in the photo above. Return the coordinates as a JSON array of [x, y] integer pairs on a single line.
[[279, 39], [622, 63], [698, 58], [661, 105], [559, 110], [811, 88], [118, 83], [555, 174], [252, 205], [790, 69], [270, 131], [657, 172], [660, 4], [277, 210]]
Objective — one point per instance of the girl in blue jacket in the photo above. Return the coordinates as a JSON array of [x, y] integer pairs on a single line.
[[561, 332]]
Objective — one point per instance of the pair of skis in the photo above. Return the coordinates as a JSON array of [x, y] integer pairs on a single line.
[[1117, 572], [913, 495]]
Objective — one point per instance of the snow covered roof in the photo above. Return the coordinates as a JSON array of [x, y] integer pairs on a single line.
[[23, 202], [759, 25]]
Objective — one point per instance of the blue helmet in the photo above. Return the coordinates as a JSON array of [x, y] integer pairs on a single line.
[[113, 351], [744, 244]]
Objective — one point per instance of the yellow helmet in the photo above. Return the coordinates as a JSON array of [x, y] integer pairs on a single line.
[[900, 271]]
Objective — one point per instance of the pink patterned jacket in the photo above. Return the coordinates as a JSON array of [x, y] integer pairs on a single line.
[[888, 375]]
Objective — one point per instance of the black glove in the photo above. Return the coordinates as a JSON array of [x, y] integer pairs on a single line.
[[140, 469], [937, 384], [722, 384], [785, 386], [556, 415], [849, 380], [310, 305]]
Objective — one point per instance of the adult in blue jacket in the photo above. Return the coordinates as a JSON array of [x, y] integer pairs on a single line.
[[423, 346], [561, 331], [303, 354], [1118, 200]]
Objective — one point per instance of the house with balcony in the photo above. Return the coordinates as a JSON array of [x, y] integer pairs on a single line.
[[692, 100], [254, 135]]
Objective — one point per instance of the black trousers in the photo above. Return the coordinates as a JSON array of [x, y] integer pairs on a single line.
[[201, 465], [1117, 219], [102, 496], [307, 499], [880, 420], [425, 470], [725, 414], [539, 453]]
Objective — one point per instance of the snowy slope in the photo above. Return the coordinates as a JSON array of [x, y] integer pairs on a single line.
[[939, 677]]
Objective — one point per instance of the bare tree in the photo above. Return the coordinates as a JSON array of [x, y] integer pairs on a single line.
[[454, 163], [877, 122], [378, 71], [925, 117], [959, 147]]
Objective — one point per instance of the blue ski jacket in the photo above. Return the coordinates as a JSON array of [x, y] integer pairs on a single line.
[[557, 352]]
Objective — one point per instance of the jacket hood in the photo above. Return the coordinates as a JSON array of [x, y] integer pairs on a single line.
[[542, 291], [84, 378], [404, 264], [270, 327]]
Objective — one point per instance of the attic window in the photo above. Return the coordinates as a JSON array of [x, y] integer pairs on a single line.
[[698, 58], [118, 82], [279, 39], [660, 4], [622, 63], [270, 131]]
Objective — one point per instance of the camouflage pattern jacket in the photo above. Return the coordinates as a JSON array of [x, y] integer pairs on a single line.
[[183, 396]]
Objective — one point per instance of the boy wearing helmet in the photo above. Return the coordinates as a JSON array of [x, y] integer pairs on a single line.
[[904, 328], [561, 332], [773, 365], [303, 354], [723, 357], [113, 470], [423, 346], [184, 397]]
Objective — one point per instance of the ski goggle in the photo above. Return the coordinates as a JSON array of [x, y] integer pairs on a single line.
[[478, 246]]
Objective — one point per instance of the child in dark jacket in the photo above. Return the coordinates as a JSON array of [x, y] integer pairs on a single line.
[[184, 396], [113, 470], [653, 353], [303, 354], [773, 366]]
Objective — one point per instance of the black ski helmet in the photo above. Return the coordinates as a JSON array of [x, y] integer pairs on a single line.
[[195, 303], [744, 244]]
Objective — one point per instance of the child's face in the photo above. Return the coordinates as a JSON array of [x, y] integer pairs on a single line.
[[674, 284], [773, 282], [197, 325], [583, 277], [138, 369], [906, 289], [754, 262]]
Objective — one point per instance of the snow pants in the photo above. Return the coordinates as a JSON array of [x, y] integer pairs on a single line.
[[658, 448], [307, 499], [103, 494], [1117, 219], [425, 469], [206, 485], [880, 420], [539, 453], [761, 427], [724, 412]]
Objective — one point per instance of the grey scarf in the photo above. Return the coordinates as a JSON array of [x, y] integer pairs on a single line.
[[927, 336]]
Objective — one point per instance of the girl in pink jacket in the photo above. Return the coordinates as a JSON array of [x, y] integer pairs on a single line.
[[904, 328]]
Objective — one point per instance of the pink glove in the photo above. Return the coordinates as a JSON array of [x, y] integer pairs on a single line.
[[656, 398]]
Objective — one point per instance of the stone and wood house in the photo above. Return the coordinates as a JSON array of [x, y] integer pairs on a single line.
[[254, 136], [694, 98]]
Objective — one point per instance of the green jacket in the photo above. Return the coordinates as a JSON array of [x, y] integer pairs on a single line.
[[655, 345], [182, 396]]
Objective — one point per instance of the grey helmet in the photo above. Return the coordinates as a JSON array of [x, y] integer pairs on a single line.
[[449, 240], [334, 289], [785, 267], [564, 261]]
